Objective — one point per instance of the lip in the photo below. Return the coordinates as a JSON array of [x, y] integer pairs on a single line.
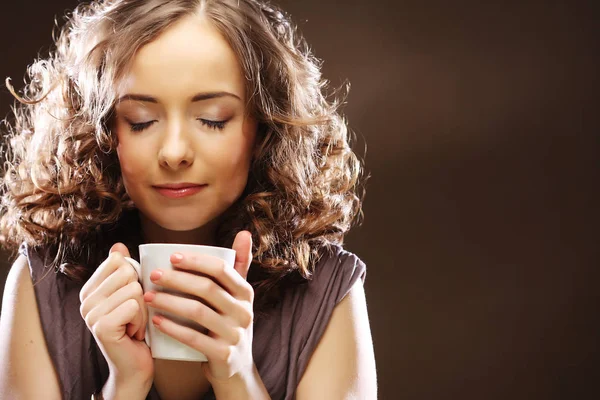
[[178, 190], [179, 185]]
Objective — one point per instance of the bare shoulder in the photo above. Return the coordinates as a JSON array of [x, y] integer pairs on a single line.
[[23, 350], [18, 280], [343, 363]]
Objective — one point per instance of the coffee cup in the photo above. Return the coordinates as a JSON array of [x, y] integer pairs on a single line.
[[157, 255]]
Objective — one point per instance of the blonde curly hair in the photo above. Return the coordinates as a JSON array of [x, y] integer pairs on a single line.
[[62, 189]]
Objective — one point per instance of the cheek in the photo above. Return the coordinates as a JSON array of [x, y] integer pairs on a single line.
[[130, 160], [235, 148], [237, 156], [229, 165]]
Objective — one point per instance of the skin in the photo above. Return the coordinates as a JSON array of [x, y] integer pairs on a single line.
[[167, 135], [180, 145], [189, 58]]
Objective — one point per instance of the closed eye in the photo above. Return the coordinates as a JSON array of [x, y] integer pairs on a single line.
[[140, 126], [217, 125], [213, 124]]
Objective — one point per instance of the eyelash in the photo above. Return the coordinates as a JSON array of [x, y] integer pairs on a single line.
[[217, 125]]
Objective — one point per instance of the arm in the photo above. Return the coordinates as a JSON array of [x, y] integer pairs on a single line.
[[26, 370], [343, 363]]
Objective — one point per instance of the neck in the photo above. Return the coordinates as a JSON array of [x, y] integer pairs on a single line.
[[154, 233]]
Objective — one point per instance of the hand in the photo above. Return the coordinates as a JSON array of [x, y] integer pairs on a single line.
[[114, 311], [228, 314]]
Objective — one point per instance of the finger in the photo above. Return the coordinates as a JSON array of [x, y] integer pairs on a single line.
[[138, 331], [120, 248], [122, 276], [131, 330], [210, 347], [243, 253], [198, 286], [216, 268], [111, 327], [125, 275], [195, 311], [108, 266], [132, 291]]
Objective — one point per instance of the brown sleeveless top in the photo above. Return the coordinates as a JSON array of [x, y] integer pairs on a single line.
[[284, 338]]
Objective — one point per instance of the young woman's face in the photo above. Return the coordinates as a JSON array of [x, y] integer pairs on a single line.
[[181, 119]]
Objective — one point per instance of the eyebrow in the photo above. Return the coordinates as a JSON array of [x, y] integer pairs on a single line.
[[197, 97]]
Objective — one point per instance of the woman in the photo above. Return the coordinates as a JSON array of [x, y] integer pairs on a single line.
[[190, 121]]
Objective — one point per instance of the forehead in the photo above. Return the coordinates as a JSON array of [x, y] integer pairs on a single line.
[[190, 56]]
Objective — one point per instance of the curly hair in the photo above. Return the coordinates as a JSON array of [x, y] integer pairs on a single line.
[[62, 188]]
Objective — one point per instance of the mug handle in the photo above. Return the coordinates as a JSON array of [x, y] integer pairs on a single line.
[[138, 269]]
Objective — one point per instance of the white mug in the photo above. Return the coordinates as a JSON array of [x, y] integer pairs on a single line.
[[157, 255]]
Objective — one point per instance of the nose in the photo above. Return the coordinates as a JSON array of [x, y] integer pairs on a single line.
[[175, 152]]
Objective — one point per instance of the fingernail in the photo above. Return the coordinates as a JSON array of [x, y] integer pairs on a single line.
[[157, 319], [156, 274], [176, 257], [149, 296]]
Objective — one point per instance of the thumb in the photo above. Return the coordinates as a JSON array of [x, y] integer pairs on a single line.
[[243, 253], [121, 248]]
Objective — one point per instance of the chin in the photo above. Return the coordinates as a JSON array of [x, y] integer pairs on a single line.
[[182, 222]]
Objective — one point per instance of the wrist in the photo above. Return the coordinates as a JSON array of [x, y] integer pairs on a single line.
[[117, 388], [240, 386]]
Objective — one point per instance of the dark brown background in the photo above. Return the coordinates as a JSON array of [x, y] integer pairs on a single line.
[[479, 236]]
